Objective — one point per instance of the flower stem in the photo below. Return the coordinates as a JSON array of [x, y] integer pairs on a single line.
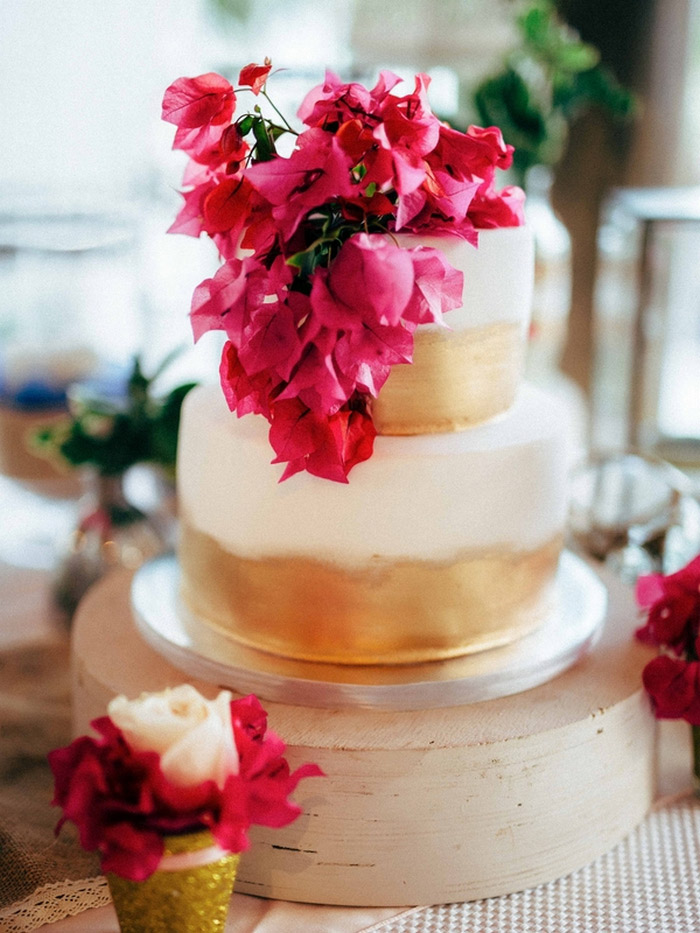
[[695, 730], [278, 112]]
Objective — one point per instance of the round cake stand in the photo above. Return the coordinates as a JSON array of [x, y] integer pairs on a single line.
[[431, 805], [201, 650]]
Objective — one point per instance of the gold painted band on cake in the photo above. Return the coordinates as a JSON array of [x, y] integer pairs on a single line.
[[457, 379], [388, 612]]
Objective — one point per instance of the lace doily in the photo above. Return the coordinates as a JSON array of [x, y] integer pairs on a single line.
[[52, 902]]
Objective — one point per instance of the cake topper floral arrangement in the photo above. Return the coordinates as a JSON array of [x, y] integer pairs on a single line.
[[316, 301]]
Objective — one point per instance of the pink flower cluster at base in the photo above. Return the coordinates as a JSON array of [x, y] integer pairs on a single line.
[[123, 805], [672, 679], [317, 303]]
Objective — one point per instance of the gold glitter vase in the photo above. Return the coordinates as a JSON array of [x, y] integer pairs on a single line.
[[189, 892]]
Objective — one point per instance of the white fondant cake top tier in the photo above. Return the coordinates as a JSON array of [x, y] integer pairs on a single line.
[[498, 275]]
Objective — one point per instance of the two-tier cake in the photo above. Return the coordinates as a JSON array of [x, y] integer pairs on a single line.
[[440, 544], [375, 282]]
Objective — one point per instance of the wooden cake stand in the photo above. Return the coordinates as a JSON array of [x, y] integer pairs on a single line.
[[431, 805]]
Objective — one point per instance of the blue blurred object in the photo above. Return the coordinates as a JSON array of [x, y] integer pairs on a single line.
[[34, 395]]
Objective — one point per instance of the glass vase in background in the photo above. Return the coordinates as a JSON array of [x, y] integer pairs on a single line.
[[634, 513], [647, 348], [551, 301], [551, 306], [69, 301], [110, 533]]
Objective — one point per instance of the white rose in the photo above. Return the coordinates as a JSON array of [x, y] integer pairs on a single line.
[[193, 735]]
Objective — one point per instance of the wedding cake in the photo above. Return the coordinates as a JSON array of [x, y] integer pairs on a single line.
[[409, 325], [371, 499]]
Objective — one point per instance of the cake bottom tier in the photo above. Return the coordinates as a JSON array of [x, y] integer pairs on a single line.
[[441, 545], [426, 806]]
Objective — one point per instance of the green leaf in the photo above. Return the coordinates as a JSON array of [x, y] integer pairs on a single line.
[[166, 426], [601, 88], [535, 23], [265, 147], [306, 261], [245, 124], [576, 57]]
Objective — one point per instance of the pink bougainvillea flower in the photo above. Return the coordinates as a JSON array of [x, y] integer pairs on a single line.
[[130, 852], [274, 343], [225, 208], [673, 608], [350, 440], [214, 299], [199, 107], [245, 394], [505, 208], [452, 198], [355, 139], [254, 76], [474, 154], [437, 287], [190, 217], [296, 433], [227, 152], [227, 301], [359, 301], [316, 381], [674, 687], [332, 103], [316, 172], [488, 140], [365, 356], [101, 784], [263, 769], [409, 170], [408, 122], [471, 159], [360, 208], [327, 447], [201, 143], [370, 278], [672, 604], [200, 101], [409, 131], [439, 206]]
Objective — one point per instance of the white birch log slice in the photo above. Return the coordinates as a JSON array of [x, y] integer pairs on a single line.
[[429, 806]]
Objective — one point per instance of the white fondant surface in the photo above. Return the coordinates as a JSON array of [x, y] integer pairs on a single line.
[[502, 484], [498, 275]]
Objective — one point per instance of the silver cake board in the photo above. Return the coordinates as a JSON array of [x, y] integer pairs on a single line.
[[205, 652]]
